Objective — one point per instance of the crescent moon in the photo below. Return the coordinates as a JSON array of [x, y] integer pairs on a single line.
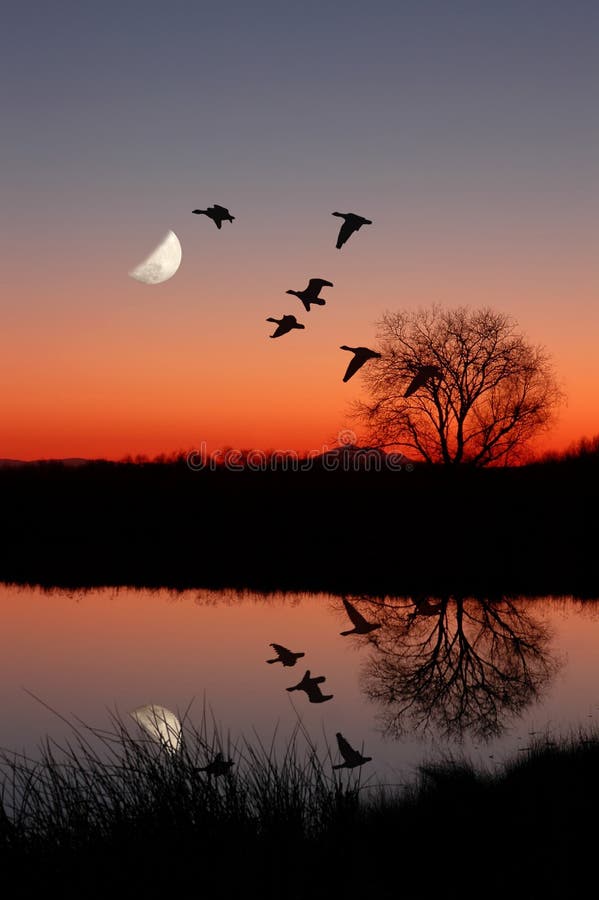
[[162, 263]]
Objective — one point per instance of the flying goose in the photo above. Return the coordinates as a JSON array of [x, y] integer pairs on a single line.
[[285, 324], [361, 355], [423, 374], [352, 223], [285, 656], [361, 626], [310, 686], [218, 214], [351, 757], [310, 294]]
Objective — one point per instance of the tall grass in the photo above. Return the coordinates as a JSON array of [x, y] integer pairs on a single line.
[[122, 794], [111, 810]]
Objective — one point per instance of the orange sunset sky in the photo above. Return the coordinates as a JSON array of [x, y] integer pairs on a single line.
[[467, 134]]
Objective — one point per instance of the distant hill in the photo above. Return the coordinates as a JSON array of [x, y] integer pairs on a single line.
[[70, 461], [351, 457]]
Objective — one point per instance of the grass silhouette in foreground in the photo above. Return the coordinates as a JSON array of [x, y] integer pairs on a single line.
[[113, 812]]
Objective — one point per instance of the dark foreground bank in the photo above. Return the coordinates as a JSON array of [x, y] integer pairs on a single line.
[[520, 530], [135, 819]]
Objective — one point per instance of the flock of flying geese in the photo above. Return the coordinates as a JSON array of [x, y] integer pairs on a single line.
[[164, 726], [310, 296]]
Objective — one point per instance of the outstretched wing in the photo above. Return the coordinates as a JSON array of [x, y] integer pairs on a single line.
[[357, 619], [302, 685], [313, 691], [345, 749], [278, 648], [416, 382], [221, 209], [282, 328], [422, 376], [315, 285], [346, 230], [355, 364], [315, 694]]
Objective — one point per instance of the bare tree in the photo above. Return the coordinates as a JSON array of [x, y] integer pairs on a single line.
[[459, 665], [493, 394]]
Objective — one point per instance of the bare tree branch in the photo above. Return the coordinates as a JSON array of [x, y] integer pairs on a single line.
[[498, 392], [459, 665]]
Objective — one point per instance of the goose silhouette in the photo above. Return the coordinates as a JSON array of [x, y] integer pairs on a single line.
[[218, 214], [310, 294], [287, 323], [161, 724], [361, 355], [361, 626], [218, 766], [285, 656], [352, 758], [352, 223], [423, 374], [310, 686]]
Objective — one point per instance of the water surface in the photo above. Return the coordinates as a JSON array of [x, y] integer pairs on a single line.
[[459, 675]]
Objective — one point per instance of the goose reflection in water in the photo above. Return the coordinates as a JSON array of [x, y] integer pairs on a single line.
[[361, 625], [311, 687], [285, 656], [217, 767], [457, 665]]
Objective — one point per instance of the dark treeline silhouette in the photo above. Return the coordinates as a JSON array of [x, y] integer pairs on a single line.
[[584, 451], [423, 529]]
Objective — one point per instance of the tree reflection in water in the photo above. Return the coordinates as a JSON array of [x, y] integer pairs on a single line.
[[458, 665]]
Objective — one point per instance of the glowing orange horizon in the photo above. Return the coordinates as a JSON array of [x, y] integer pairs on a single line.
[[166, 367], [302, 445]]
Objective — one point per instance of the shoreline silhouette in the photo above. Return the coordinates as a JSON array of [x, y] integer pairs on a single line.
[[515, 530]]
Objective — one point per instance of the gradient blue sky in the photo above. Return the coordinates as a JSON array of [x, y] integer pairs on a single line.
[[468, 132]]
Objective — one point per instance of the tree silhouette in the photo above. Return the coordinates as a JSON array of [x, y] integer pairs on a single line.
[[496, 393], [458, 665]]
